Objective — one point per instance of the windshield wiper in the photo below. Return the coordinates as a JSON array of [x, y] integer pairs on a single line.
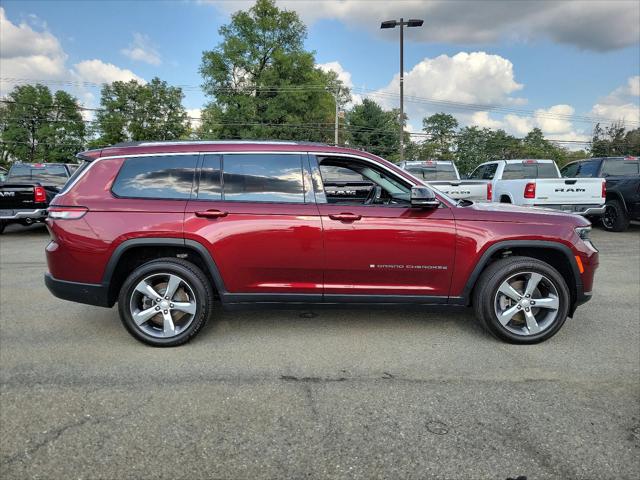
[[464, 202]]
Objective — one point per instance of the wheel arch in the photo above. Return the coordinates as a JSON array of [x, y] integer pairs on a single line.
[[555, 254], [132, 253], [615, 195]]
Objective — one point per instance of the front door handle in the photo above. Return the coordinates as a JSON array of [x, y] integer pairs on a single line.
[[211, 214], [345, 217]]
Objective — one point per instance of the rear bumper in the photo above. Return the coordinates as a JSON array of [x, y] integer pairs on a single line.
[[590, 210], [87, 293], [37, 214]]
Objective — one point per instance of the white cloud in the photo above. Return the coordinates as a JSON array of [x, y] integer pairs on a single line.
[[477, 77], [97, 71], [517, 124], [555, 120], [482, 119], [142, 49], [621, 104], [344, 76], [28, 55], [588, 24], [195, 117]]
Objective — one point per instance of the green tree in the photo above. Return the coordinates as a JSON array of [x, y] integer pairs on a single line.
[[534, 145], [132, 111], [374, 129], [262, 82], [472, 148], [632, 142], [441, 131], [609, 141], [40, 127]]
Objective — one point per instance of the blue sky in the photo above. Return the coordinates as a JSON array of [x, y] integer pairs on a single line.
[[547, 64]]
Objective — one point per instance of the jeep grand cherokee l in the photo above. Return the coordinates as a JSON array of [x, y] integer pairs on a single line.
[[166, 229]]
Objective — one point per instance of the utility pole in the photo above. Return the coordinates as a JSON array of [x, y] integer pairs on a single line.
[[401, 23]]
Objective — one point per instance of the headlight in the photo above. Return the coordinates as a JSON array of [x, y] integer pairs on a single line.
[[585, 235], [584, 232]]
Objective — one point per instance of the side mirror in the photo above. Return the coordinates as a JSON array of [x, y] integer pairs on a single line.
[[423, 197]]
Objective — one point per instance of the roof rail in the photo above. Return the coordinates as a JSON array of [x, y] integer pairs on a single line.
[[211, 142]]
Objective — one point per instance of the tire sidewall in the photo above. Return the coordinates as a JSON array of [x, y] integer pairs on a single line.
[[620, 222], [155, 267], [491, 289]]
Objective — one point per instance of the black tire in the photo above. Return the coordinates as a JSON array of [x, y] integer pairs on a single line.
[[485, 298], [615, 218], [3, 225], [505, 199], [191, 276]]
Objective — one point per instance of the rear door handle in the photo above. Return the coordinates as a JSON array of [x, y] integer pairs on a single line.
[[345, 217], [211, 214]]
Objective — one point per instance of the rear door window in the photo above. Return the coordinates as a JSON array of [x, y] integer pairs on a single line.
[[478, 172], [263, 178], [587, 169], [161, 177], [619, 167]]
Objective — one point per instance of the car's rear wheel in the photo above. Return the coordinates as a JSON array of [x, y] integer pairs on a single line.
[[522, 300], [165, 302], [615, 218]]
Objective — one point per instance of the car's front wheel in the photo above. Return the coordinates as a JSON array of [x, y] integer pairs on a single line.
[[522, 300], [165, 302]]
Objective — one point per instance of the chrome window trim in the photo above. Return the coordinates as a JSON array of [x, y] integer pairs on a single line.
[[251, 152]]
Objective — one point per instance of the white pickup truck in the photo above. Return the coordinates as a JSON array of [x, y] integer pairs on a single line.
[[537, 183], [443, 175]]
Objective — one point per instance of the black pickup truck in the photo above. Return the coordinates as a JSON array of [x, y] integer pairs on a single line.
[[27, 190], [623, 187]]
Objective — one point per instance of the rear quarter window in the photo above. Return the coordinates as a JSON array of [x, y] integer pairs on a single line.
[[161, 177]]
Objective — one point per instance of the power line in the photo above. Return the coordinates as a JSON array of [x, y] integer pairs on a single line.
[[359, 90]]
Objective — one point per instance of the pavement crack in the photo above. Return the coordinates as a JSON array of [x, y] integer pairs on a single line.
[[55, 434]]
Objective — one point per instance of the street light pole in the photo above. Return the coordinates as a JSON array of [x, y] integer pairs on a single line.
[[401, 23], [401, 90]]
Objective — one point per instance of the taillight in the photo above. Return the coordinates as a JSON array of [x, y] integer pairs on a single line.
[[530, 190], [39, 195], [604, 189], [67, 213], [489, 191]]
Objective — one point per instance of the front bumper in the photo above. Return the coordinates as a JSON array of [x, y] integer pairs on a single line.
[[584, 210], [87, 293], [37, 214]]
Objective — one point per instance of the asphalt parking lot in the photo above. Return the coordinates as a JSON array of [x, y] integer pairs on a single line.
[[326, 394]]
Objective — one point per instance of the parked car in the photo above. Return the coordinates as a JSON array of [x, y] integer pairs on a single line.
[[27, 190], [537, 183], [444, 176], [622, 175], [166, 228]]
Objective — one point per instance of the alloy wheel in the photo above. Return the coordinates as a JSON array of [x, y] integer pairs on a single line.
[[163, 305], [609, 217], [527, 303]]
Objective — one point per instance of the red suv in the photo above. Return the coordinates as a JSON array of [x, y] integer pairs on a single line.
[[166, 228]]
